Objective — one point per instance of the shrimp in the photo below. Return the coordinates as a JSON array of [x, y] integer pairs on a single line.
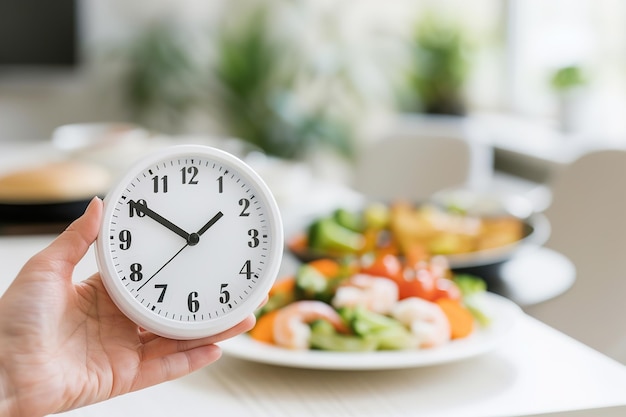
[[426, 320], [291, 329], [377, 294]]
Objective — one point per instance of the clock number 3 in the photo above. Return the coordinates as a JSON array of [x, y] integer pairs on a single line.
[[254, 238]]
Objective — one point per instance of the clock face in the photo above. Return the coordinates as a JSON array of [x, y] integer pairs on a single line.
[[191, 242]]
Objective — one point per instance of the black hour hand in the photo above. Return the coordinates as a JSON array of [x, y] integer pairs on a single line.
[[210, 223], [143, 208]]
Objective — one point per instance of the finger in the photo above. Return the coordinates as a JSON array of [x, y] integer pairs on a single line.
[[155, 346], [176, 365], [71, 245]]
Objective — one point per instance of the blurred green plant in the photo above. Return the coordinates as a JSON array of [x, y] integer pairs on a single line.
[[438, 68], [159, 85], [254, 91], [250, 85], [568, 77]]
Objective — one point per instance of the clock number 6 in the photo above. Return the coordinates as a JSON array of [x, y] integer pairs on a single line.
[[192, 302]]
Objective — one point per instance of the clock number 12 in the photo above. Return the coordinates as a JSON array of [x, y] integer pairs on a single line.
[[192, 171]]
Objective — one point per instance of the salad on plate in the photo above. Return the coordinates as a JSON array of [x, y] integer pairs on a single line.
[[371, 303]]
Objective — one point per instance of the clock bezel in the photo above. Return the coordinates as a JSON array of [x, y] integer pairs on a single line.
[[153, 322]]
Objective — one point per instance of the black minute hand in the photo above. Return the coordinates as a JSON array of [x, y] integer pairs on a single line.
[[158, 218]]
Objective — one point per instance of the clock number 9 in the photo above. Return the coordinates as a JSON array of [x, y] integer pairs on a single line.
[[125, 239], [192, 302], [254, 241]]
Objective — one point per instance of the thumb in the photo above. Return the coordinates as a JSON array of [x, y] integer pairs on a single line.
[[69, 247]]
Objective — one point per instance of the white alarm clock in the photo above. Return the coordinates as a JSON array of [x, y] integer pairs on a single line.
[[191, 242]]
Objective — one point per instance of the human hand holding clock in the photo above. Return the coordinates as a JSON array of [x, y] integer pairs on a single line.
[[64, 345]]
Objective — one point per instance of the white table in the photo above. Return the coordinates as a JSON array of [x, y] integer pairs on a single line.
[[536, 370]]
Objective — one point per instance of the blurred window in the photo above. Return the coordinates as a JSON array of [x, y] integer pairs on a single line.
[[544, 36]]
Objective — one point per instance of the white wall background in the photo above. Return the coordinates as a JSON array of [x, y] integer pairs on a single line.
[[32, 103]]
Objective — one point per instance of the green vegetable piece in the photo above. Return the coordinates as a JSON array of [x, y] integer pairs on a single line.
[[388, 333], [474, 305], [470, 284], [310, 283], [376, 216], [349, 220], [324, 336], [394, 338], [471, 288], [276, 301], [327, 235], [365, 322]]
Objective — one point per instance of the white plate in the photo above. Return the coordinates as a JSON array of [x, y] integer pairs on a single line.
[[503, 315]]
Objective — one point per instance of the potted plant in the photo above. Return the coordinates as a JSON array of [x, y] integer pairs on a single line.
[[159, 85], [254, 91], [437, 69], [569, 83]]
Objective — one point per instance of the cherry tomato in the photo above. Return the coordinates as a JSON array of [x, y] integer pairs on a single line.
[[387, 265], [417, 283]]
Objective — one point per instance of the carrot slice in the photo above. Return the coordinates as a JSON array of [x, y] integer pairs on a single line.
[[415, 254], [284, 285], [299, 243], [263, 330], [327, 267], [460, 318]]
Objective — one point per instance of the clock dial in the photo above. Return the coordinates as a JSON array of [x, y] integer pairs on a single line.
[[191, 241]]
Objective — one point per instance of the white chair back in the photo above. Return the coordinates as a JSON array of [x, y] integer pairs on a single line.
[[588, 220], [412, 166]]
